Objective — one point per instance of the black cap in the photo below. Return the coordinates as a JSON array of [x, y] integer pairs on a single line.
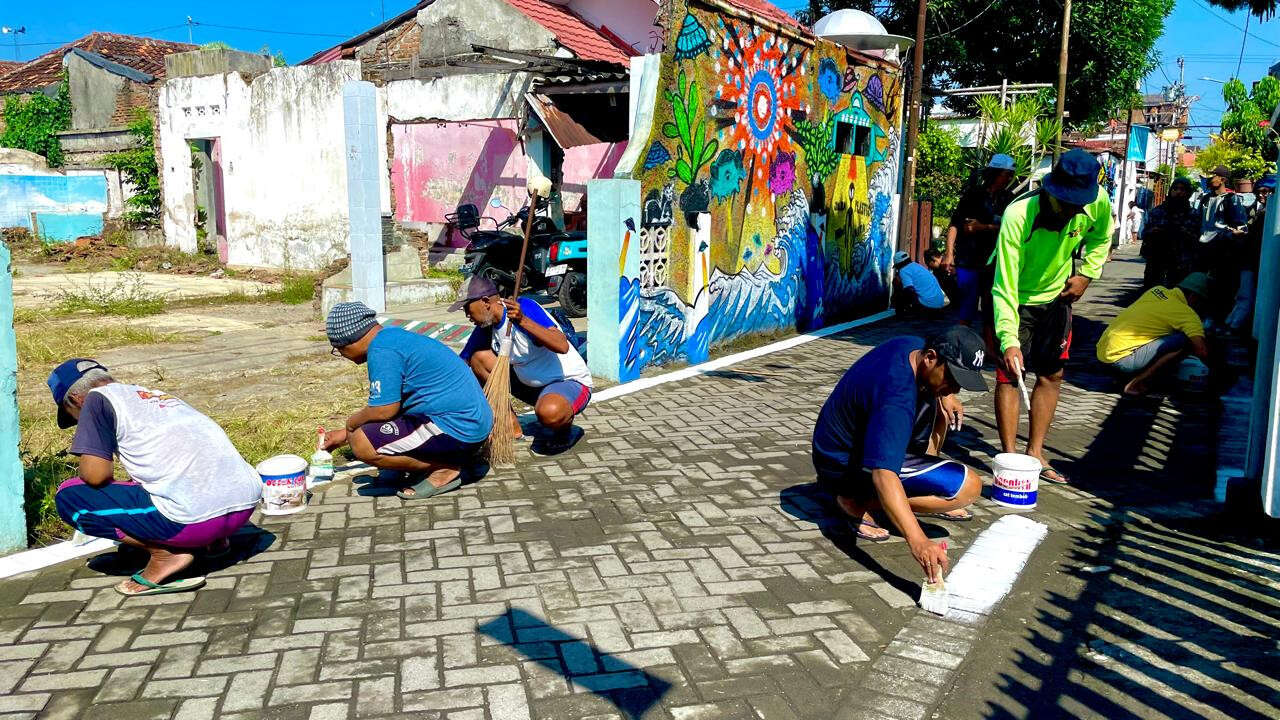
[[964, 353]]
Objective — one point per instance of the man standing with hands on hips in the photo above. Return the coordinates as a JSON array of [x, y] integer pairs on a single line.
[[1036, 283]]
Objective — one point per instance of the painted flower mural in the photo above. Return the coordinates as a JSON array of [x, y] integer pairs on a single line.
[[829, 80], [759, 94], [727, 175], [782, 177]]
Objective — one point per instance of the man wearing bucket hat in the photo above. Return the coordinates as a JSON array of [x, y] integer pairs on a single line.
[[1170, 233], [1036, 283], [971, 237], [188, 490], [877, 437], [547, 373], [1156, 330], [426, 417]]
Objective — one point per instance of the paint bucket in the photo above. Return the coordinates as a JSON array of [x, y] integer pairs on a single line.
[[1017, 481], [1193, 375], [284, 484]]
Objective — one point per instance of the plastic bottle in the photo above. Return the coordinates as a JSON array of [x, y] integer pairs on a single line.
[[321, 470]]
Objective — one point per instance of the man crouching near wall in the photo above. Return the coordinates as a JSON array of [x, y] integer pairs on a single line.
[[876, 441], [188, 489]]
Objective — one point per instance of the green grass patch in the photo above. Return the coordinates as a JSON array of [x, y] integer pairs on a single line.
[[293, 290], [51, 343], [454, 277], [126, 296]]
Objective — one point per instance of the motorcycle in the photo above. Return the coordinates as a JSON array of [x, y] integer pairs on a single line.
[[555, 262]]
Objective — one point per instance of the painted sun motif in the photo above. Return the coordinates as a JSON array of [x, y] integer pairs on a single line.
[[758, 99]]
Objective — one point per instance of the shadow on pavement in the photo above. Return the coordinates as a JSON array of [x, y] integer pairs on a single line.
[[629, 688], [246, 543]]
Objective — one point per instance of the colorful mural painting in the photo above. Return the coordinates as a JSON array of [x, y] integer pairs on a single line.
[[62, 207], [766, 187]]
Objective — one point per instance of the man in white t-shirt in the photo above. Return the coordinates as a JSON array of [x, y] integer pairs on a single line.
[[546, 370], [188, 488], [1136, 216]]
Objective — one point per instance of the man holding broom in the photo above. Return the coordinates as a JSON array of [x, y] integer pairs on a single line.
[[1035, 285], [426, 417], [546, 371]]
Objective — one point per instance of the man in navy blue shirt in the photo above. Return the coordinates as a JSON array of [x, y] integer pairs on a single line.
[[876, 441], [426, 415]]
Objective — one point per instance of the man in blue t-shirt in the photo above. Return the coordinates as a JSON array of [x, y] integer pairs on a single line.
[[426, 416], [546, 370], [915, 287], [876, 441]]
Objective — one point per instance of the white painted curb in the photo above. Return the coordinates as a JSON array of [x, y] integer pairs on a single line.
[[37, 558]]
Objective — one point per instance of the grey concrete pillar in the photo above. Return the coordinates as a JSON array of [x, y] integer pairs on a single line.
[[368, 275]]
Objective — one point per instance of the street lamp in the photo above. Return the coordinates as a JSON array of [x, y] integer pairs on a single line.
[[6, 30], [1206, 78]]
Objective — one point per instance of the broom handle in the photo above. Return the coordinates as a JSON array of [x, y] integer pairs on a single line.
[[524, 248]]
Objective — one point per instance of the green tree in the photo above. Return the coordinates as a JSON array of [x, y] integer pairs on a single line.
[[1249, 113], [978, 42], [1262, 9], [940, 173], [138, 166], [1226, 149], [32, 123]]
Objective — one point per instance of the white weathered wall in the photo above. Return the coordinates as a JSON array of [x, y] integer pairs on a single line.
[[283, 162]]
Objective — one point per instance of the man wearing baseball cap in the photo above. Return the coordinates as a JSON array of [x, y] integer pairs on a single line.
[[187, 491], [547, 373], [971, 237], [1036, 282], [877, 437], [426, 418]]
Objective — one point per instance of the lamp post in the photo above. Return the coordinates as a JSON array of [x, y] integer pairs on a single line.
[[6, 30]]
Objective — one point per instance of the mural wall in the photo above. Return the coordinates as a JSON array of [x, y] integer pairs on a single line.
[[766, 188], [63, 207]]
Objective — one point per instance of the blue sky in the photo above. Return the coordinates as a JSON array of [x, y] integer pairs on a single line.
[[1206, 37]]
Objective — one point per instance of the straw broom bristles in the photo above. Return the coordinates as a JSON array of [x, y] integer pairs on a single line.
[[497, 389]]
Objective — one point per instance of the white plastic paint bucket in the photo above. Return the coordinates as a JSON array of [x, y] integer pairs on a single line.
[[1017, 481], [284, 484]]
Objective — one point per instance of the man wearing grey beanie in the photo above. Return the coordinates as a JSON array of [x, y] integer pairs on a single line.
[[427, 416]]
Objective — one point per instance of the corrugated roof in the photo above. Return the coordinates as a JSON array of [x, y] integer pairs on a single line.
[[566, 131], [767, 10], [144, 54], [584, 40]]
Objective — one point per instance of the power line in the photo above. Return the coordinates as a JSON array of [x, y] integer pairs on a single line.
[[1211, 12], [272, 32], [1243, 39]]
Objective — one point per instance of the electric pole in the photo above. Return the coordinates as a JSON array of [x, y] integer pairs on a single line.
[[1062, 75], [190, 24], [907, 223], [14, 32]]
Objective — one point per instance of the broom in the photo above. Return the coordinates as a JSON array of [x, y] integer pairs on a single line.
[[502, 446]]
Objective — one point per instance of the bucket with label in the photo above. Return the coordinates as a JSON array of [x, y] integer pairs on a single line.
[[1017, 481], [284, 484]]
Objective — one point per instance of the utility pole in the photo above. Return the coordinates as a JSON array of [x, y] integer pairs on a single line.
[[907, 223], [1062, 75], [1122, 214], [190, 24]]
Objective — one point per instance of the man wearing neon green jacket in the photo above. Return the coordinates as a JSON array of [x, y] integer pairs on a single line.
[[1036, 283]]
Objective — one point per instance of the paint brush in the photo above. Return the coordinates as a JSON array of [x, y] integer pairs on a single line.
[[934, 597], [1022, 386]]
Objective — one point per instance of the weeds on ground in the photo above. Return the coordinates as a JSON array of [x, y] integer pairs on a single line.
[[128, 296], [295, 289], [454, 277], [42, 342]]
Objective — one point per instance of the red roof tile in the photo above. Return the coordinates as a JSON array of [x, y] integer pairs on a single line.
[[139, 53], [767, 10], [584, 40]]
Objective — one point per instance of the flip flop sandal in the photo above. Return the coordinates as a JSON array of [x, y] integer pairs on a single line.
[[1059, 480], [174, 586], [953, 518], [425, 489], [855, 524]]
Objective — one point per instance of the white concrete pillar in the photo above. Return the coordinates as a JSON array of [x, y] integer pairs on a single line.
[[368, 275]]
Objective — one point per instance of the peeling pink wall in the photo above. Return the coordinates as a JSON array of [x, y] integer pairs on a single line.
[[438, 166], [583, 163]]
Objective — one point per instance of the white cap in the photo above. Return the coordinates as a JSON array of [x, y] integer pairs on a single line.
[[1000, 161]]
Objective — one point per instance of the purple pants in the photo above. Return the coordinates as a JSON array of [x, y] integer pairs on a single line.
[[122, 509]]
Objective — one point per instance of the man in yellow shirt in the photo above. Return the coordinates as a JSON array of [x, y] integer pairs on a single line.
[[1157, 330]]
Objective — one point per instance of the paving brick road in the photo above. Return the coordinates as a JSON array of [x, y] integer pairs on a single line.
[[678, 563]]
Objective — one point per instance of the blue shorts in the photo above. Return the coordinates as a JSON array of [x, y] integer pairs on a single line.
[[921, 475], [1137, 361], [575, 393], [420, 439], [124, 509]]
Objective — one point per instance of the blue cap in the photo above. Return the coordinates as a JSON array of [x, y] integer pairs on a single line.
[[61, 380], [1074, 180], [1266, 181]]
